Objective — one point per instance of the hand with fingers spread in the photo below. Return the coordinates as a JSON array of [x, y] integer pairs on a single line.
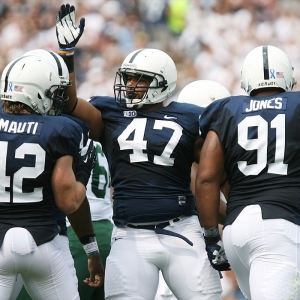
[[67, 33]]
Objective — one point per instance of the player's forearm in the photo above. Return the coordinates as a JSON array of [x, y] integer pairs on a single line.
[[82, 216], [72, 94], [92, 116], [222, 211], [81, 222], [208, 203], [209, 178]]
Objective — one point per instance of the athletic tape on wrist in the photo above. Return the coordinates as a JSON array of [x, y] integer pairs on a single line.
[[66, 51], [91, 248], [211, 232], [68, 57]]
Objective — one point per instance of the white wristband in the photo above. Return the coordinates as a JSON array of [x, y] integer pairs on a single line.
[[91, 249]]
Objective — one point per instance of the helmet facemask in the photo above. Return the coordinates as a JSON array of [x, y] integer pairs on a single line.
[[57, 93], [125, 94]]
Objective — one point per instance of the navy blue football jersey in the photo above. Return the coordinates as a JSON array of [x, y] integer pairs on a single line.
[[29, 148], [150, 154], [261, 140]]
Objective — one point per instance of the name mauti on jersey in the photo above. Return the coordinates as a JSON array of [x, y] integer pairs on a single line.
[[18, 127]]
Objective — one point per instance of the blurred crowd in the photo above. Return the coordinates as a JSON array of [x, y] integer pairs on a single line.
[[207, 39]]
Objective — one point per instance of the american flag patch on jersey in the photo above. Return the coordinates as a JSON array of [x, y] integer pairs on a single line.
[[279, 75]]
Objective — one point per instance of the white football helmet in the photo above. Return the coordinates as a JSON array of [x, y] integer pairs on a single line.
[[35, 82], [266, 67], [62, 69], [151, 63], [202, 92]]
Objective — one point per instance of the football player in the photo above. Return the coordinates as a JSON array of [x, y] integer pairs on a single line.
[[37, 153], [150, 149], [201, 93], [255, 140], [81, 216]]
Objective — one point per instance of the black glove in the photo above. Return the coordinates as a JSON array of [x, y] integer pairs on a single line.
[[215, 250], [84, 163], [66, 31]]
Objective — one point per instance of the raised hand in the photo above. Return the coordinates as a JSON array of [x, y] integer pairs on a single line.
[[67, 33]]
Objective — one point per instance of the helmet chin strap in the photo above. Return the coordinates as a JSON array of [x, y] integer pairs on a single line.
[[139, 106], [135, 105]]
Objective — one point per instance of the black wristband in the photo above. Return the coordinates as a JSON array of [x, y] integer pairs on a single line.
[[82, 176], [87, 239], [69, 60]]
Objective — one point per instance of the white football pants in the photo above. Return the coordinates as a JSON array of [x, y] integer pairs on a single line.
[[264, 255], [64, 241], [137, 255], [163, 291], [43, 268]]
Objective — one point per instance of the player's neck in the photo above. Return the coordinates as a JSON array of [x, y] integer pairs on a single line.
[[267, 92], [154, 106]]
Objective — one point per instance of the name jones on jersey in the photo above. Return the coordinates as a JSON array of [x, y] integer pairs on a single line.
[[274, 103]]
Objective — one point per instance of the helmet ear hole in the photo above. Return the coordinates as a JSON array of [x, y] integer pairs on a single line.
[[163, 83]]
